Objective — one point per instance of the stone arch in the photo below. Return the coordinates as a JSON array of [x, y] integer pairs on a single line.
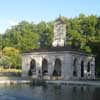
[[32, 69], [82, 68], [44, 67], [57, 67], [75, 67], [88, 66]]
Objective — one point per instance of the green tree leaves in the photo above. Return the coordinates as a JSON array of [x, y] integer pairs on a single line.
[[22, 36], [11, 57], [83, 32]]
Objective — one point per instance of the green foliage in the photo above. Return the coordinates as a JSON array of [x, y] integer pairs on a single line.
[[83, 32], [45, 31], [11, 57], [22, 36], [5, 62]]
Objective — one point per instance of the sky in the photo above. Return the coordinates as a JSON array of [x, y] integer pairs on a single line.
[[14, 11]]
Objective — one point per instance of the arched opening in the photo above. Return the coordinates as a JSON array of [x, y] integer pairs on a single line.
[[82, 69], [32, 69], [88, 67], [57, 68], [44, 67], [75, 67]]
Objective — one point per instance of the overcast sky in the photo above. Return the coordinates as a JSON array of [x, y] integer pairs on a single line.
[[14, 11]]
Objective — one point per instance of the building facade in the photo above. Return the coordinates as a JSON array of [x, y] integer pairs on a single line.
[[58, 62]]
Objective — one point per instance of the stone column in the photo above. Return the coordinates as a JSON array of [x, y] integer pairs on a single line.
[[67, 67], [85, 68], [79, 68], [62, 70], [38, 66], [25, 66], [50, 70], [92, 68], [50, 67]]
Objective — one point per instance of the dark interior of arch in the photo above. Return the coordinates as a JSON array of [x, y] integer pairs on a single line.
[[88, 67], [75, 67], [57, 68], [44, 67], [32, 67], [82, 69]]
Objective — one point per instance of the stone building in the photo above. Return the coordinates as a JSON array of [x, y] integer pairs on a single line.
[[58, 62]]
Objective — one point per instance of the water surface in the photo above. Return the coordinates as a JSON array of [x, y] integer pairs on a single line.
[[49, 92]]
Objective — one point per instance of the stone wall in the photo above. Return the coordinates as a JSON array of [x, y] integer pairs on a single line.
[[67, 67]]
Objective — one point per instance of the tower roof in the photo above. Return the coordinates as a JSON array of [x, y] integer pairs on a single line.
[[60, 20]]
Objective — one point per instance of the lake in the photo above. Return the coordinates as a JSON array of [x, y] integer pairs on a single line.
[[49, 92]]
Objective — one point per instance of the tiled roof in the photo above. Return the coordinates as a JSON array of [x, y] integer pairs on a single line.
[[56, 49]]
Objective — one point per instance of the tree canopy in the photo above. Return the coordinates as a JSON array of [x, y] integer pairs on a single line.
[[83, 32]]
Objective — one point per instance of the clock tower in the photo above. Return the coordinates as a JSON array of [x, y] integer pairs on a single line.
[[59, 33]]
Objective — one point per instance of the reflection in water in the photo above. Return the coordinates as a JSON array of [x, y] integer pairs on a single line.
[[96, 95], [49, 92]]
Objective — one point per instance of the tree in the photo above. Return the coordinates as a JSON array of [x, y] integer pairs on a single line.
[[29, 41], [13, 57], [5, 62], [83, 32], [45, 31], [22, 36]]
